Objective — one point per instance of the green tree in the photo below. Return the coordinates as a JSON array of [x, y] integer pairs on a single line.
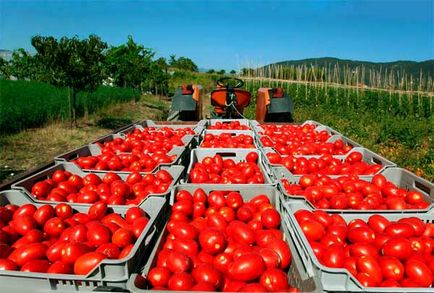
[[221, 71], [5, 69], [233, 72], [158, 79], [211, 71], [71, 62], [183, 63], [129, 64]]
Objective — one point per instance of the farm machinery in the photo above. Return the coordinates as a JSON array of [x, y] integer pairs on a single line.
[[229, 101]]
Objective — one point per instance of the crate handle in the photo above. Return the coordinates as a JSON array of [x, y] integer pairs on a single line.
[[109, 289], [150, 235], [422, 187], [377, 161], [226, 154]]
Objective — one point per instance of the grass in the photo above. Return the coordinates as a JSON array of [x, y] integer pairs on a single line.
[[28, 104], [33, 147]]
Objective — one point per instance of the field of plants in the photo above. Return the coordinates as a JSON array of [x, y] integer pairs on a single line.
[[397, 126], [28, 104]]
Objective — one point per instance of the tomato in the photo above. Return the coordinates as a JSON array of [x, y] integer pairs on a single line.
[[98, 234], [40, 189], [366, 280], [241, 233], [282, 249], [7, 265], [63, 211], [97, 211], [28, 252], [416, 223], [252, 157], [180, 282], [36, 266], [397, 247], [24, 224], [207, 273], [71, 251], [110, 250], [363, 249], [87, 262], [391, 268], [212, 241], [184, 231], [253, 287], [418, 272], [246, 268], [43, 214], [222, 261], [126, 251], [333, 256], [178, 262], [188, 247], [274, 280], [378, 223], [139, 225], [59, 267], [203, 287], [217, 221], [122, 237], [312, 229], [270, 219], [361, 235], [159, 277], [400, 229], [234, 200], [370, 266]]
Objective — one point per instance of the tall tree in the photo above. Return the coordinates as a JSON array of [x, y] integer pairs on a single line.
[[183, 63], [71, 62], [129, 64]]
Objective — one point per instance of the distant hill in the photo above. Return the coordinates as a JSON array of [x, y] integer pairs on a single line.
[[410, 67]]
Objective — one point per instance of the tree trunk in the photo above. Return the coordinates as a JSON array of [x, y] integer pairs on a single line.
[[72, 107]]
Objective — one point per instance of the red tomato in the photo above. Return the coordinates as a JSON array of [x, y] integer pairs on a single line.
[[370, 266], [43, 214], [7, 264], [312, 229], [252, 157], [333, 256], [274, 280], [28, 252], [418, 272], [59, 267], [110, 250], [178, 262], [361, 235], [398, 247], [122, 237], [97, 211], [87, 262], [377, 222], [391, 268], [36, 266], [180, 282], [212, 241], [98, 234], [270, 219], [63, 211], [71, 251], [246, 268], [159, 277], [207, 273]]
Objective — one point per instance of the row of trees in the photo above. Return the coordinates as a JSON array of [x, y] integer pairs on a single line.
[[85, 64], [222, 71]]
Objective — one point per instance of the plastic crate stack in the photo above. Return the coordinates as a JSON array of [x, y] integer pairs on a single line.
[[173, 157], [298, 194], [218, 132]]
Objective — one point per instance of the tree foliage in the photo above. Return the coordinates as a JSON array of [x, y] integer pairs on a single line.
[[71, 62], [183, 63]]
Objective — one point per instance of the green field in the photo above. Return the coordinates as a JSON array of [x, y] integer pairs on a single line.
[[397, 126], [28, 104]]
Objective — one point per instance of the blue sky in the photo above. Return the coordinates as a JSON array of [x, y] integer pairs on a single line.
[[231, 34]]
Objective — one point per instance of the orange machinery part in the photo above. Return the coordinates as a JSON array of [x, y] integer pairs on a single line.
[[218, 100], [262, 101]]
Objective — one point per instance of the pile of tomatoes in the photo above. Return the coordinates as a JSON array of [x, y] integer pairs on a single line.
[[140, 151], [350, 192], [378, 253], [59, 240], [227, 140], [111, 189], [128, 162], [218, 170], [306, 148], [326, 164], [219, 242], [233, 125]]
